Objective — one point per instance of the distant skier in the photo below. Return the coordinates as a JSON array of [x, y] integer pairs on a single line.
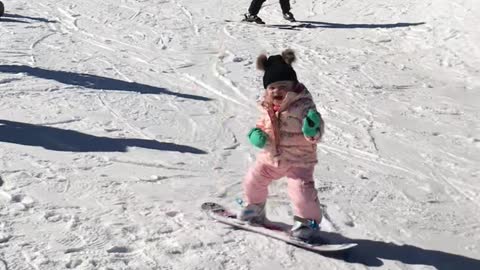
[[256, 5], [287, 132]]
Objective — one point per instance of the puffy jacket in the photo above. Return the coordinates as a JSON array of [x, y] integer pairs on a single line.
[[286, 143]]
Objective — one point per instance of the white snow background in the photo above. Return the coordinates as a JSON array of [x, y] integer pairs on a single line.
[[118, 118]]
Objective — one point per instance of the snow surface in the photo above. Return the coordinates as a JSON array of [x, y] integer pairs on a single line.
[[118, 118]]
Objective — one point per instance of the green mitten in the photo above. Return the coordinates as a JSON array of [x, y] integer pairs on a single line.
[[257, 137], [311, 123]]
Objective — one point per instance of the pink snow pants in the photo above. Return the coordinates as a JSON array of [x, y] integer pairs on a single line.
[[301, 187]]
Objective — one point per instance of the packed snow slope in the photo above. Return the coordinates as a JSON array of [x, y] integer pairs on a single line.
[[118, 118]]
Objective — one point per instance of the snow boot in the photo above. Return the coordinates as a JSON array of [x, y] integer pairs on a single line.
[[253, 213], [289, 16], [253, 18], [304, 229], [2, 9]]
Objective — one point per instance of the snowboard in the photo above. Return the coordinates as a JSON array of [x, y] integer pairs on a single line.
[[271, 229]]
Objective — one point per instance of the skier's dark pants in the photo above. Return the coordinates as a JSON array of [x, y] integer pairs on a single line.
[[257, 4]]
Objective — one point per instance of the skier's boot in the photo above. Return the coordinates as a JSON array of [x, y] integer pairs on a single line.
[[253, 213], [304, 229], [2, 9], [289, 16], [253, 18]]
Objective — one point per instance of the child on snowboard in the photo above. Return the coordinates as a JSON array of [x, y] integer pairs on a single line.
[[287, 132], [256, 5]]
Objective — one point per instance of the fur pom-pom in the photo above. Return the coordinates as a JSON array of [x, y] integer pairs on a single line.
[[289, 56], [262, 62]]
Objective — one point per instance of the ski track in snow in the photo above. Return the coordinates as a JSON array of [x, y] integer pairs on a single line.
[[166, 91]]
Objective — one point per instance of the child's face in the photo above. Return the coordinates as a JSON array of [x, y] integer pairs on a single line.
[[278, 90]]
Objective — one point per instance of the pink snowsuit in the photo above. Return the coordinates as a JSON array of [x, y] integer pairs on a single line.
[[287, 153]]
